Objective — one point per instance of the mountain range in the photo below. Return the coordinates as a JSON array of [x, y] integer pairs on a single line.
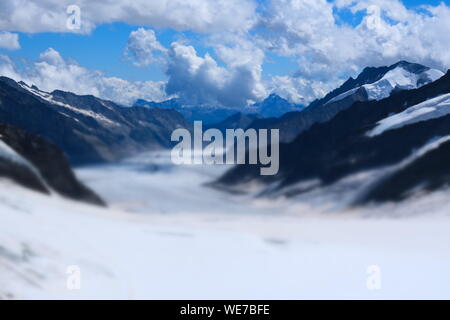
[[397, 145], [88, 129], [393, 121], [371, 84], [271, 107]]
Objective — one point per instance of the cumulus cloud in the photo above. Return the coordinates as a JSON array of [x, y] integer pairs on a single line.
[[51, 71], [127, 92], [143, 48], [9, 41], [7, 68], [418, 36], [204, 16], [232, 79], [238, 35], [327, 50], [299, 90], [200, 80]]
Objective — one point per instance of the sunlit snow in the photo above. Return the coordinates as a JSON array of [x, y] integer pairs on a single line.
[[430, 109], [166, 235]]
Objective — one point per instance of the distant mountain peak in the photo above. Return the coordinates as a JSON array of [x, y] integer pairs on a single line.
[[274, 96], [372, 74], [274, 106]]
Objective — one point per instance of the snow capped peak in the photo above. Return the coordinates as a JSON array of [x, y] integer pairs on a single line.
[[274, 106], [380, 82], [402, 77], [50, 98], [274, 96]]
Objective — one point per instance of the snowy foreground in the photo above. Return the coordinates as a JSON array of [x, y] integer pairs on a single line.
[[167, 236]]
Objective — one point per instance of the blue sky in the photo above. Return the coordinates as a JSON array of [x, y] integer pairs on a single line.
[[292, 63], [102, 49]]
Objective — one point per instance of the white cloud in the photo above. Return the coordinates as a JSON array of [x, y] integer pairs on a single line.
[[413, 36], [7, 68], [239, 33], [199, 80], [9, 41], [126, 92], [393, 9], [234, 80], [143, 48], [204, 16], [52, 72], [299, 90], [328, 51]]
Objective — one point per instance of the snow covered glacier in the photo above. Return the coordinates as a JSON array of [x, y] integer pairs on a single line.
[[166, 236]]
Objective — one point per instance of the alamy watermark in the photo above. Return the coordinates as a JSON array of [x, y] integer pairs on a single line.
[[373, 281], [73, 281], [237, 147], [373, 19], [73, 21]]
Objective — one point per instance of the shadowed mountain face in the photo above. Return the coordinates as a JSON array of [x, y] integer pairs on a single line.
[[371, 84], [36, 164], [207, 114], [347, 144], [86, 128], [236, 121], [427, 173]]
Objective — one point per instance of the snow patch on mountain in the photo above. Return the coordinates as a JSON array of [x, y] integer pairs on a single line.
[[343, 95], [397, 78], [49, 98], [430, 109]]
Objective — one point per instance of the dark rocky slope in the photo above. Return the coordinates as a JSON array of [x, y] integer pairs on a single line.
[[341, 147], [39, 165], [427, 173], [236, 121], [294, 123], [86, 128]]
